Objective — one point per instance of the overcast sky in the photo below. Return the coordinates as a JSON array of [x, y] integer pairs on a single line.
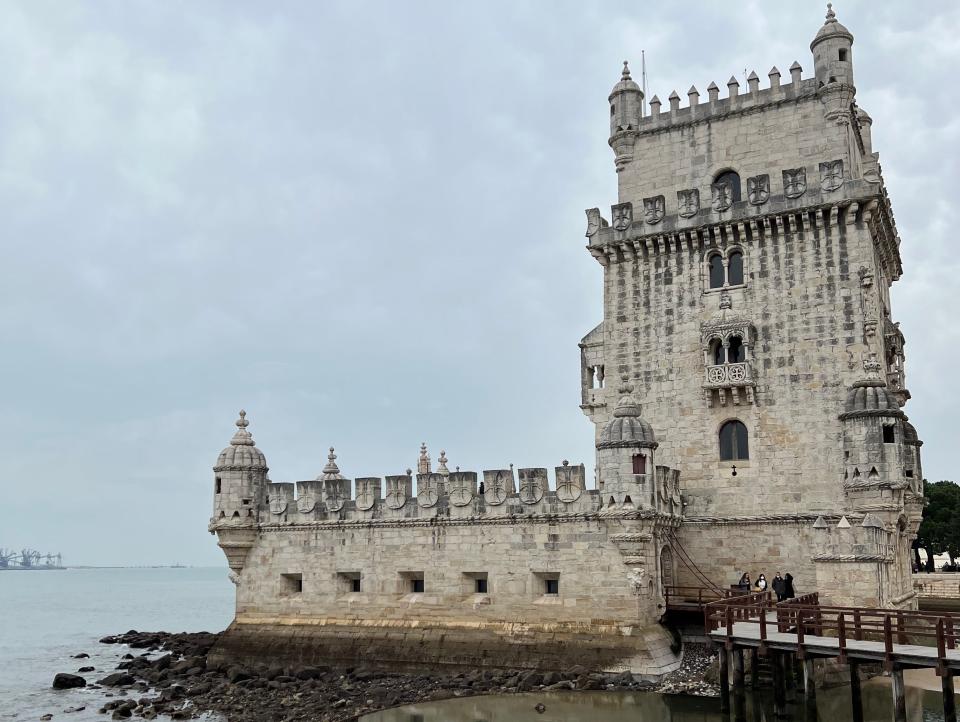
[[363, 222]]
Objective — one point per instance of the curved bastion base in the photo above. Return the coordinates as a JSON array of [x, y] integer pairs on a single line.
[[407, 645]]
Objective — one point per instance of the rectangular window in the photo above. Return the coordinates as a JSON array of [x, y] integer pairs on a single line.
[[218, 484], [843, 55], [416, 586], [888, 435], [551, 586], [291, 584], [639, 464], [480, 585], [348, 582]]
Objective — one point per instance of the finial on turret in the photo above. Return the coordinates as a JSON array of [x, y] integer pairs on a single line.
[[626, 71], [423, 462], [331, 470], [831, 16], [442, 464], [242, 437]]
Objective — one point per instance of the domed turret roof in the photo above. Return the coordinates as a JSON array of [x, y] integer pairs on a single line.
[[910, 434], [626, 82], [242, 453], [870, 397], [831, 28], [627, 427]]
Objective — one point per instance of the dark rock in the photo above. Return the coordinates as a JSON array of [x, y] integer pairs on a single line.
[[117, 679], [122, 713], [540, 707], [550, 678], [623, 678], [82, 655], [162, 662], [62, 680], [86, 669], [529, 680], [238, 674]]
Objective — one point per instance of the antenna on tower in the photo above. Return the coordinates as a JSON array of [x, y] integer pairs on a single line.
[[643, 78]]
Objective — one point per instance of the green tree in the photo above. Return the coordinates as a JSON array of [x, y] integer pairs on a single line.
[[939, 531]]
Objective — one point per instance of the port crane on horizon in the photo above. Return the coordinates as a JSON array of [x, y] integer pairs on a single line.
[[29, 559]]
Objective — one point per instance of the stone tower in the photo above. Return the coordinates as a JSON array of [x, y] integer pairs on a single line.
[[746, 274]]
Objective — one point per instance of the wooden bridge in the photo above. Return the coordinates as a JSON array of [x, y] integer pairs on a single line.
[[800, 630]]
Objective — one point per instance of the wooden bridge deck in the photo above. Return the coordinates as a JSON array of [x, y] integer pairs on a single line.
[[747, 634]]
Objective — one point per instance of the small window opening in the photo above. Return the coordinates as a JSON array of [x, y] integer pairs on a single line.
[[733, 441], [843, 55], [735, 268], [480, 585], [246, 502], [551, 586], [909, 473], [249, 512], [735, 352], [223, 514], [856, 473], [355, 585], [639, 464], [218, 484], [716, 271], [292, 583], [236, 515], [874, 474], [613, 106], [888, 435], [416, 586]]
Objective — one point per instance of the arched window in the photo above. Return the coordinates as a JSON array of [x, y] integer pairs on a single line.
[[735, 352], [733, 181], [733, 441], [735, 268], [716, 352], [716, 271]]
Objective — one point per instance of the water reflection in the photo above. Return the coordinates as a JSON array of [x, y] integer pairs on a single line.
[[833, 705]]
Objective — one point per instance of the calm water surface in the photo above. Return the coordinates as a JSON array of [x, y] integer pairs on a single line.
[[48, 616]]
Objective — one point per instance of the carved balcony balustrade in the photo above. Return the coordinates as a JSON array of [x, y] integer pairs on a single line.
[[730, 380]]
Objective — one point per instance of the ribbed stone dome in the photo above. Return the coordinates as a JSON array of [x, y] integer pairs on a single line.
[[627, 428], [242, 453], [831, 28], [870, 398], [910, 434]]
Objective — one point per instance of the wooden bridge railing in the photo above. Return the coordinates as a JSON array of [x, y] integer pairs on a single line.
[[699, 596], [806, 617]]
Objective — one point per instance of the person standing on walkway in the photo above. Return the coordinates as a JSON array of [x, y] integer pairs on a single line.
[[778, 586], [761, 583], [744, 584], [788, 592]]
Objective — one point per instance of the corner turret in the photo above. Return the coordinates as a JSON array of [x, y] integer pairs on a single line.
[[832, 52], [626, 109], [625, 456], [240, 476]]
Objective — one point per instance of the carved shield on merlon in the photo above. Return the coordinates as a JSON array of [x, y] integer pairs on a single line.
[[308, 494], [399, 489], [533, 485], [368, 492], [462, 487], [336, 492], [570, 482], [429, 489], [497, 485]]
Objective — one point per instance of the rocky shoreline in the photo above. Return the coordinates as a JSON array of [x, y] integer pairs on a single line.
[[169, 674]]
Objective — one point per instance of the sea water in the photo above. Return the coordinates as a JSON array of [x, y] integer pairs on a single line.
[[47, 616]]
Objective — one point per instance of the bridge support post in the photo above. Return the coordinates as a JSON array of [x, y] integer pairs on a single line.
[[789, 676], [899, 695], [779, 685], [724, 679], [809, 685], [754, 668], [949, 701], [856, 697], [739, 694]]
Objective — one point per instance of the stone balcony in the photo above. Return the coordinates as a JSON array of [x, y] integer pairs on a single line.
[[733, 381]]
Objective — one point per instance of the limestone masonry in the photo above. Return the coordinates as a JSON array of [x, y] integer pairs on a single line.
[[746, 383]]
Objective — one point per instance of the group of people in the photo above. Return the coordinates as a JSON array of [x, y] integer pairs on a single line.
[[782, 586]]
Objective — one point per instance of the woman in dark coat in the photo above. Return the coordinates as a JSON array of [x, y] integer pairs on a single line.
[[788, 592], [744, 583], [778, 586]]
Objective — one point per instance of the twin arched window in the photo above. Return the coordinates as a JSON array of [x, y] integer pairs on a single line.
[[726, 271], [733, 441], [733, 353]]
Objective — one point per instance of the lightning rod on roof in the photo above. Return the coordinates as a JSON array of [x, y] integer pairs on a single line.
[[643, 79]]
